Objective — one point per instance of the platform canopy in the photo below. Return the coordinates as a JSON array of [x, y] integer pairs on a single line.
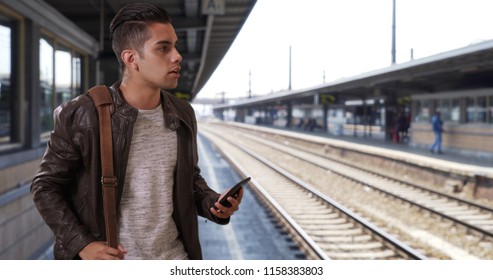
[[206, 29]]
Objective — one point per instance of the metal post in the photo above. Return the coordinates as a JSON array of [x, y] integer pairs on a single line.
[[250, 83], [366, 127], [289, 68], [393, 32], [289, 108]]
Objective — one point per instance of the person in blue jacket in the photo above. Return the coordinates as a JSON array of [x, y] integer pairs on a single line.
[[437, 127]]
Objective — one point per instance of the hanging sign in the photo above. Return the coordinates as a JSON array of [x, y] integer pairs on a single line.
[[213, 7]]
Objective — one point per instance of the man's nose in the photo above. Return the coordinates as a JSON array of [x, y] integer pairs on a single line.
[[177, 56]]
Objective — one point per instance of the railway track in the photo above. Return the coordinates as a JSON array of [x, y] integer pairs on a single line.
[[472, 216], [324, 228]]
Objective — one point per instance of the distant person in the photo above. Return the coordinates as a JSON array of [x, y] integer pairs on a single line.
[[402, 128], [437, 127], [300, 123], [160, 189], [311, 124]]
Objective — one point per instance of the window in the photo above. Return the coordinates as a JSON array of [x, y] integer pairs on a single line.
[[63, 75], [449, 109], [46, 71], [481, 109], [60, 80], [490, 108], [444, 108], [476, 109], [455, 110], [6, 87], [76, 74], [422, 111]]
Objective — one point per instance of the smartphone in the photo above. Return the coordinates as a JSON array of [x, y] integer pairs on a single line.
[[233, 192]]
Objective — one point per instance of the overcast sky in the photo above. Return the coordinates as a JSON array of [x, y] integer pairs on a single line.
[[342, 38]]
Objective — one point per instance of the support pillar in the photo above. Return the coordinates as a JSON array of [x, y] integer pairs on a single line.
[[289, 109], [326, 116]]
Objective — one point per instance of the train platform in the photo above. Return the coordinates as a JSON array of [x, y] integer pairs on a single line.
[[482, 161], [252, 234]]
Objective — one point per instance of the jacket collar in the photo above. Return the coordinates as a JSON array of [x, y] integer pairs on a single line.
[[171, 118]]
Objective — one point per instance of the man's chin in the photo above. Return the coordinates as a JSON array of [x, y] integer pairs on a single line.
[[169, 85]]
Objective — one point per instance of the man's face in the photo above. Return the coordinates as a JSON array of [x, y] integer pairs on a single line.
[[159, 60]]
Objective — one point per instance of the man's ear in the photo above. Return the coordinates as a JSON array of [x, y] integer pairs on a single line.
[[130, 58]]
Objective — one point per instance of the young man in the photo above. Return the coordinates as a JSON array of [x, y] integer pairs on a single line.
[[160, 190]]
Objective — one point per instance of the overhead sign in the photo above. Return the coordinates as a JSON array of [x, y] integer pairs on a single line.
[[213, 7]]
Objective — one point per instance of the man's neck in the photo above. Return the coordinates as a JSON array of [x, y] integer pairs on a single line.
[[140, 96]]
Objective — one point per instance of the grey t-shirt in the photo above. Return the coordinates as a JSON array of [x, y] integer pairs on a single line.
[[146, 227]]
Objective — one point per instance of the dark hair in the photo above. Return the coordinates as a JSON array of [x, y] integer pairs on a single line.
[[128, 29]]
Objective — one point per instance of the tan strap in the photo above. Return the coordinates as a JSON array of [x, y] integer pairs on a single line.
[[103, 101]]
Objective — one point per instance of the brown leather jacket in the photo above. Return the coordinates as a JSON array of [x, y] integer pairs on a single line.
[[67, 189]]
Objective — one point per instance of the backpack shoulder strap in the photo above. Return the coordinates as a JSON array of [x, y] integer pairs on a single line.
[[104, 102]]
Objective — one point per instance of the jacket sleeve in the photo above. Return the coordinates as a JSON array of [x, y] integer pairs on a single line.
[[52, 184]]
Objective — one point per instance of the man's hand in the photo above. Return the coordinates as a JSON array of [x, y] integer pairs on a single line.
[[224, 212], [98, 250]]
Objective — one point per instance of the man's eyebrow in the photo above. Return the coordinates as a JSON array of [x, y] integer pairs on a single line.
[[165, 42]]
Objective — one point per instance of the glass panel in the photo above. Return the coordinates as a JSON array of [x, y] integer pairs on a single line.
[[76, 75], [63, 75], [490, 108], [455, 110], [470, 111], [422, 111], [476, 109], [444, 109], [5, 82], [46, 86], [481, 109]]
